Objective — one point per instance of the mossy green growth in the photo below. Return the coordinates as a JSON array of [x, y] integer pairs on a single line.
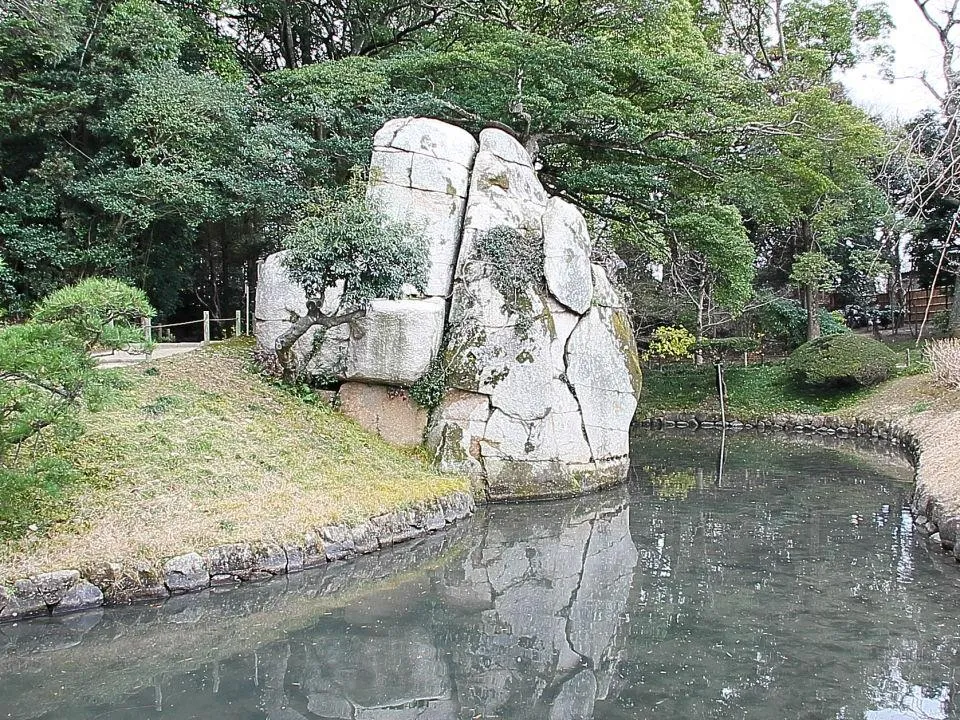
[[628, 346], [516, 262]]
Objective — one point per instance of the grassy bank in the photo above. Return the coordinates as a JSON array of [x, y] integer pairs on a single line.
[[197, 450], [751, 391]]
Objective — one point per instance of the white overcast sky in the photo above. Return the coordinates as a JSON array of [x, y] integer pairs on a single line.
[[916, 50]]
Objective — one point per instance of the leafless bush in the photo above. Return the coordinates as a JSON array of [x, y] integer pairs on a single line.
[[944, 359]]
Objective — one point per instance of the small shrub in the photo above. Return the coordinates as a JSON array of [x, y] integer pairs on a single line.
[[944, 359], [428, 390], [669, 344], [98, 312], [941, 322], [846, 360], [516, 260]]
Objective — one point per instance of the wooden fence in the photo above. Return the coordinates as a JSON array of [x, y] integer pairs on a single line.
[[916, 302], [206, 320]]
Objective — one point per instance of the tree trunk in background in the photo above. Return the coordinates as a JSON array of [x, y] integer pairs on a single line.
[[954, 327], [813, 319]]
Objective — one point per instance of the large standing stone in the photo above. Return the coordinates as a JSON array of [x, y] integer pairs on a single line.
[[566, 249], [395, 342], [511, 353], [387, 411], [419, 175]]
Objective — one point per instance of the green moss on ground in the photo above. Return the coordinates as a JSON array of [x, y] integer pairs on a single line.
[[197, 450]]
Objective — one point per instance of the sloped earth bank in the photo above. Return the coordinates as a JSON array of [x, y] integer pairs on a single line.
[[200, 473], [791, 584], [911, 413]]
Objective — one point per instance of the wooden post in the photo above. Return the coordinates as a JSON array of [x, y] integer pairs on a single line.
[[908, 357], [237, 325], [147, 330], [246, 294], [720, 391], [206, 327]]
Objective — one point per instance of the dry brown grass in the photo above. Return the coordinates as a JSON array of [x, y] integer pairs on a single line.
[[932, 413], [944, 359], [199, 451]]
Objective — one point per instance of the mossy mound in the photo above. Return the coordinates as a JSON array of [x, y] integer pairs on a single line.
[[846, 360]]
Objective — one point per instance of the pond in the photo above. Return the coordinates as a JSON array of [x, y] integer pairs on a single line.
[[791, 585]]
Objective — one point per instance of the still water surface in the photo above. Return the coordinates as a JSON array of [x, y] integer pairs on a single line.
[[791, 586]]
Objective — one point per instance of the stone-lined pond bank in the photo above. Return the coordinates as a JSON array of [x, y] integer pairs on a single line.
[[930, 439], [66, 591]]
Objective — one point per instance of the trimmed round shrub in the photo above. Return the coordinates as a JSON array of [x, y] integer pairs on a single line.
[[846, 360]]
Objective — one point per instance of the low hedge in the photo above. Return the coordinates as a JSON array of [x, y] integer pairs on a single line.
[[846, 360]]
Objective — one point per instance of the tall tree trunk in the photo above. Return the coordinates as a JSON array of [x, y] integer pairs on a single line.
[[701, 304], [813, 318], [954, 327], [286, 34]]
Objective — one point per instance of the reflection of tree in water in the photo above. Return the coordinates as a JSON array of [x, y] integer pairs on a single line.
[[674, 485], [757, 599]]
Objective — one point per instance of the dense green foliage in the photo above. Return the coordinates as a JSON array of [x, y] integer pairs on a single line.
[[342, 239], [343, 252], [140, 139], [515, 264], [781, 324], [846, 360], [669, 344], [101, 311]]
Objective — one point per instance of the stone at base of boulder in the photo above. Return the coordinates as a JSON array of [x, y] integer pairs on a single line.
[[387, 411], [524, 480]]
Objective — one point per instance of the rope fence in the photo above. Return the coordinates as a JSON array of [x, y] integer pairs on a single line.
[[206, 320]]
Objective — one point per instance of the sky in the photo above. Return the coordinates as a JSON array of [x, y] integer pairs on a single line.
[[916, 49]]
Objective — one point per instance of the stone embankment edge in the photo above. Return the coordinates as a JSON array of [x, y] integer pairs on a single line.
[[65, 591], [929, 512]]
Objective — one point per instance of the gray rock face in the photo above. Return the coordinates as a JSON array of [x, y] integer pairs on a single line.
[[22, 601], [419, 175], [396, 340], [456, 439], [566, 247], [52, 586], [81, 596], [604, 373], [504, 190], [533, 356]]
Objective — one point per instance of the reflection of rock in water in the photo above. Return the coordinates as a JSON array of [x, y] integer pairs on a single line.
[[555, 592], [394, 675]]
